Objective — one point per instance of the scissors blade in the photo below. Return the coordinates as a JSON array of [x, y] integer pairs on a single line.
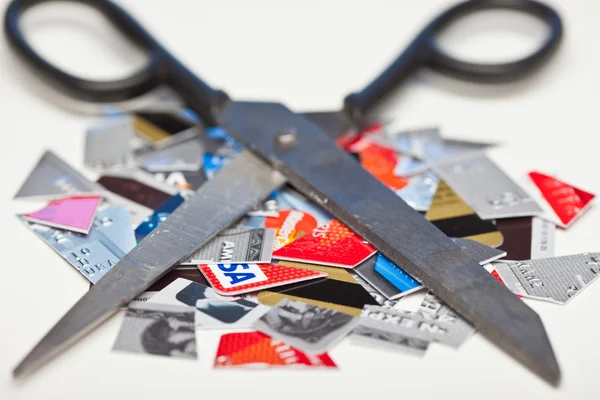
[[332, 178], [217, 204], [334, 123]]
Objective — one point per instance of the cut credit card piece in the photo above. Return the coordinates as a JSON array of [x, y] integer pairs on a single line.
[[226, 314], [366, 270], [109, 145], [184, 156], [396, 275], [235, 279], [377, 295], [329, 244], [158, 329], [164, 129], [337, 291], [93, 255], [422, 143], [381, 163], [296, 217], [527, 238], [191, 275], [52, 179], [255, 349], [486, 188], [308, 327], [556, 279], [562, 202], [432, 306], [453, 216], [143, 177], [377, 336], [135, 191], [72, 213], [428, 327], [236, 246], [183, 292], [419, 191], [159, 215]]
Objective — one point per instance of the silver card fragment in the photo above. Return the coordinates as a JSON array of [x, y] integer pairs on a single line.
[[486, 188], [158, 329], [556, 279], [309, 328], [365, 334], [94, 254], [236, 246], [52, 179], [109, 145], [424, 326]]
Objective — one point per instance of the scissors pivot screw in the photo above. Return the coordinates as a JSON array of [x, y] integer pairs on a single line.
[[287, 138]]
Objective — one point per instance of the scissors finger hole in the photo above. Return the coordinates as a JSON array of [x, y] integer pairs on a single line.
[[493, 37], [80, 41]]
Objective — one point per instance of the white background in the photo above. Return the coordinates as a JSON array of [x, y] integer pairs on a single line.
[[308, 54]]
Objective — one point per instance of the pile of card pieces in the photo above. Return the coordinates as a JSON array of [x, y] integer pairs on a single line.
[[297, 280]]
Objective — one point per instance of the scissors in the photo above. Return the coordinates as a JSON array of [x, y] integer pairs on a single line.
[[282, 146]]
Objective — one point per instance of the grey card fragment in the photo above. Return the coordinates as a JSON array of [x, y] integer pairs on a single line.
[[427, 327], [556, 279], [185, 156], [52, 179], [158, 329], [542, 238], [379, 297], [310, 328], [437, 309], [420, 191], [486, 188], [479, 252], [237, 246], [94, 254], [109, 145], [365, 334]]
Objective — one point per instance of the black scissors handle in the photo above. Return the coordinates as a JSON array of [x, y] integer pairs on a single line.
[[424, 51], [162, 67]]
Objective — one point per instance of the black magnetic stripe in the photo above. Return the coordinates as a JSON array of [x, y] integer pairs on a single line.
[[330, 291], [467, 225]]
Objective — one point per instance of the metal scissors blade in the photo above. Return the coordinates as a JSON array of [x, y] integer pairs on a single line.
[[333, 179], [215, 206]]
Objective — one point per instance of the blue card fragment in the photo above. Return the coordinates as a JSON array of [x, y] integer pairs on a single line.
[[158, 216], [396, 275]]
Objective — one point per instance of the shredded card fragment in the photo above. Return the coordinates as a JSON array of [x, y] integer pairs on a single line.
[[237, 245], [329, 244], [158, 329], [309, 328], [486, 188], [235, 279], [257, 350], [556, 279], [563, 203], [227, 314], [72, 213]]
